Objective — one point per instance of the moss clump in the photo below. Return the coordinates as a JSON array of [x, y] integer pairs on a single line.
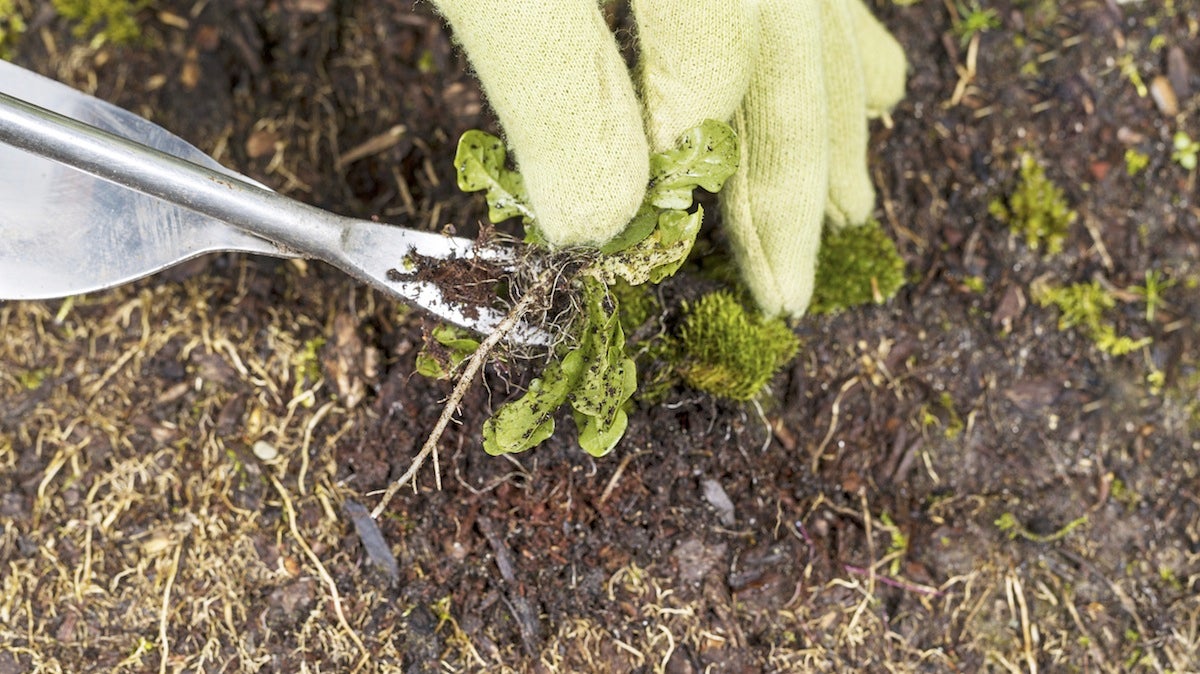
[[725, 351], [113, 21], [1037, 209], [12, 26], [1083, 305], [856, 265]]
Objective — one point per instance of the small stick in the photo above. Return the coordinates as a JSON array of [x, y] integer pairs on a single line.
[[473, 364], [834, 413]]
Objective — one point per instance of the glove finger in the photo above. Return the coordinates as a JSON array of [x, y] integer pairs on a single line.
[[773, 206], [694, 62], [851, 195], [552, 72], [883, 62]]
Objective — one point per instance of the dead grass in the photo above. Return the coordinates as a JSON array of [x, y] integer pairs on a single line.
[[151, 529]]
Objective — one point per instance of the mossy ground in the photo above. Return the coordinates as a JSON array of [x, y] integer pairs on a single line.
[[140, 532]]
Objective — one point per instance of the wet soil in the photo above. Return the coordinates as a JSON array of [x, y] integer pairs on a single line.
[[944, 483]]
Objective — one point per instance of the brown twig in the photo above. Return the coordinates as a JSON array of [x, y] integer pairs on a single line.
[[471, 368]]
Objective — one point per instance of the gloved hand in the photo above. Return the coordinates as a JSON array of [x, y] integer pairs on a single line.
[[796, 78]]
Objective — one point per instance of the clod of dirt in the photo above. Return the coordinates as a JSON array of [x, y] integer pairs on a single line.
[[469, 282]]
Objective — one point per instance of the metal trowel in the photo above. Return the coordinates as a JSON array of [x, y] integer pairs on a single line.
[[93, 196]]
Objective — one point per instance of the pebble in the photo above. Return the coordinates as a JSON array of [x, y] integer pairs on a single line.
[[1130, 137], [264, 450], [716, 496]]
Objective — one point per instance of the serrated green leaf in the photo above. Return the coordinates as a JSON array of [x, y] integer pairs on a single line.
[[606, 383], [480, 163], [707, 155], [609, 378], [498, 440]]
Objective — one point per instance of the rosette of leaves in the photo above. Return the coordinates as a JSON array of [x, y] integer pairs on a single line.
[[594, 375]]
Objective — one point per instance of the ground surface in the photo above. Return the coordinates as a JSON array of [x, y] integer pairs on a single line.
[[945, 483]]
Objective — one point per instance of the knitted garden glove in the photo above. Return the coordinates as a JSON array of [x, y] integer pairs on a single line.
[[796, 78]]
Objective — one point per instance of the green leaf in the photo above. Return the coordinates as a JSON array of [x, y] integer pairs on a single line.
[[480, 165], [610, 377], [450, 347], [597, 438], [707, 155], [657, 256], [527, 421], [638, 229], [597, 376]]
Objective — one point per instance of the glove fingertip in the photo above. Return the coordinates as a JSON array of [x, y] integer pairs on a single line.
[[885, 68], [590, 207]]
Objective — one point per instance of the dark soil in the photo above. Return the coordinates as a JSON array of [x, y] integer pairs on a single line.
[[944, 483]]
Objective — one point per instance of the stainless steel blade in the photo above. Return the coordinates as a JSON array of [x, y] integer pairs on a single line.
[[99, 207], [63, 232]]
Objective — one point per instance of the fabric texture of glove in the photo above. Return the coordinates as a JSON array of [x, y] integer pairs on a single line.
[[797, 79]]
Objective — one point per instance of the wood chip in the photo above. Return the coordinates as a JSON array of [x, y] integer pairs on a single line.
[[189, 73], [372, 146], [1032, 395], [1179, 72], [261, 142], [1164, 96], [378, 551]]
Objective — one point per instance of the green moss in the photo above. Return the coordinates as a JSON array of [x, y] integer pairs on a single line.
[[1185, 150], [635, 304], [1084, 305], [32, 379], [974, 20], [1008, 523], [1037, 210], [12, 26], [306, 363], [856, 265], [724, 350], [953, 425], [113, 21], [1151, 291], [1135, 162]]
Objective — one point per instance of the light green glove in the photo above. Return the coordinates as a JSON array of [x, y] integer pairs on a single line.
[[796, 78]]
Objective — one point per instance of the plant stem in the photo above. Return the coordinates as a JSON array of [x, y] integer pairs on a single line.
[[473, 364]]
